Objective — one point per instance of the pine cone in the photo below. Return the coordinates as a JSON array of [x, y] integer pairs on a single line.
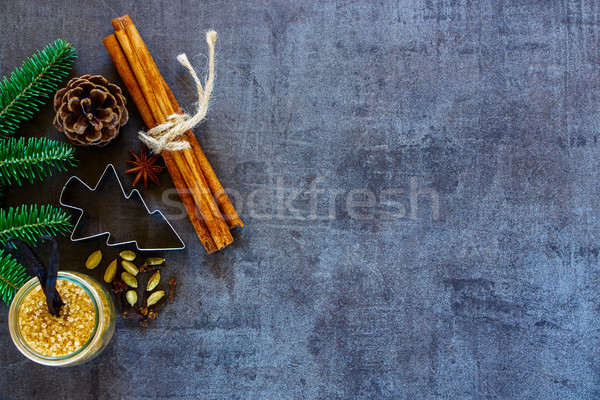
[[90, 110]]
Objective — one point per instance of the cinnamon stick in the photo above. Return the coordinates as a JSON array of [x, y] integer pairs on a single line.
[[225, 205], [166, 107], [120, 61], [189, 204], [127, 75], [166, 104], [138, 56], [165, 98]]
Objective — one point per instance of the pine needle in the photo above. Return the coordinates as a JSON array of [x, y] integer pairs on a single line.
[[38, 77], [33, 159], [29, 223], [12, 276]]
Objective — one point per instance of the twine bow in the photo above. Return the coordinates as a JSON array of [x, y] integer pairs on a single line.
[[165, 136]]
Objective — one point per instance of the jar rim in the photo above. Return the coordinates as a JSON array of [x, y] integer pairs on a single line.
[[15, 330]]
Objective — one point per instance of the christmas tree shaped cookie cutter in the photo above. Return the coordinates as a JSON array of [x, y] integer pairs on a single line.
[[103, 211]]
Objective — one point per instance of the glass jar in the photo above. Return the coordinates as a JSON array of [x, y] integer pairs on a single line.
[[103, 328]]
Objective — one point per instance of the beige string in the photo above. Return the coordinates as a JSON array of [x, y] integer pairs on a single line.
[[166, 136]]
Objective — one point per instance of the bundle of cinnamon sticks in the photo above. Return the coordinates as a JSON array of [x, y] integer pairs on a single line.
[[208, 206]]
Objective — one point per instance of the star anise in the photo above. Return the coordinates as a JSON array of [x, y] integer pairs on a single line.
[[145, 167]]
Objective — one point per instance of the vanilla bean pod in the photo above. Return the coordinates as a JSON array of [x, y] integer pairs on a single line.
[[47, 277], [52, 276]]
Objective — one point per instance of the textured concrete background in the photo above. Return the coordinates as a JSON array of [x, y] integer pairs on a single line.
[[490, 107]]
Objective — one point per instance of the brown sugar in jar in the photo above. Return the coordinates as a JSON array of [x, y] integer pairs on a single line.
[[82, 330], [57, 336]]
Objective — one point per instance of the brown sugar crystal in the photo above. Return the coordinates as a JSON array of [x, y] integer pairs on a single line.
[[57, 336]]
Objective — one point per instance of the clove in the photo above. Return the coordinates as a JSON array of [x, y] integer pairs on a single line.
[[132, 315], [145, 267], [172, 284], [136, 315], [118, 287]]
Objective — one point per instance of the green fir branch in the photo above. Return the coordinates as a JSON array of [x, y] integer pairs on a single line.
[[29, 223], [33, 159], [12, 276], [38, 77]]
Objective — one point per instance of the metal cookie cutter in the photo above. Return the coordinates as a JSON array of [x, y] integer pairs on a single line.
[[124, 219]]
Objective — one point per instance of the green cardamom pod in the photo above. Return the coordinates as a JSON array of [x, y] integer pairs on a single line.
[[127, 255], [153, 281], [131, 297], [129, 279], [111, 272], [155, 260], [130, 267], [93, 260], [155, 297]]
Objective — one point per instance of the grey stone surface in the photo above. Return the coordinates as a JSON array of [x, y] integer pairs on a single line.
[[466, 264]]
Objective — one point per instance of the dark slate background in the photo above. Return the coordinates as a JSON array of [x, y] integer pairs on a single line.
[[490, 107]]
